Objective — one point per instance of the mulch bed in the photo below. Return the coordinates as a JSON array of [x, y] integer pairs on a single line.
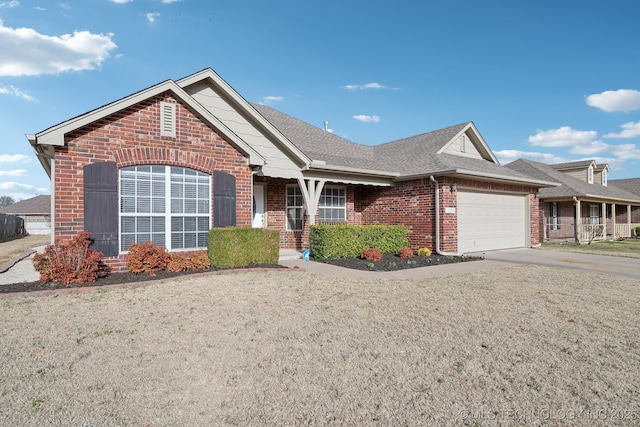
[[391, 262]]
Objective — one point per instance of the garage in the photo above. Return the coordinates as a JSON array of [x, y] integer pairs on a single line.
[[490, 221]]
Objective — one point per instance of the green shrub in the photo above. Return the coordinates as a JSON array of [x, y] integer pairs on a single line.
[[69, 263], [637, 231], [348, 241], [232, 247]]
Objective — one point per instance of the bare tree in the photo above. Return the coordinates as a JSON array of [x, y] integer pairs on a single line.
[[6, 201]]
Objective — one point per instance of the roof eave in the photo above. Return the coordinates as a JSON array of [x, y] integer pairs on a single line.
[[315, 165], [474, 175]]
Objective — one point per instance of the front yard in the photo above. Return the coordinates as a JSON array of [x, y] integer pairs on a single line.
[[512, 346], [626, 248]]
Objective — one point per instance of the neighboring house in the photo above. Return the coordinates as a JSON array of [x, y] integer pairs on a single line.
[[584, 207], [169, 162], [631, 185], [35, 211]]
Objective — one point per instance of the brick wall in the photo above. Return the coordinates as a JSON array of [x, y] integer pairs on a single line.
[[132, 137]]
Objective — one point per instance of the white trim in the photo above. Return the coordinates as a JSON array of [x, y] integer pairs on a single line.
[[168, 119]]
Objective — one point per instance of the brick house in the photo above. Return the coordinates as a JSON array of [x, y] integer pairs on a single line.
[[169, 162], [584, 207]]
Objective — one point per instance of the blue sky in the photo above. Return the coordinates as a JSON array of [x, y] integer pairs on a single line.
[[551, 81]]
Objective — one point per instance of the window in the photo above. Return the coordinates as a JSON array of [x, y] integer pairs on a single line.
[[294, 208], [333, 204], [605, 177], [590, 175], [594, 214], [553, 217], [169, 206]]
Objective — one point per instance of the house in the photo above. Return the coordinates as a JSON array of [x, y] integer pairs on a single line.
[[169, 162], [35, 211], [584, 207]]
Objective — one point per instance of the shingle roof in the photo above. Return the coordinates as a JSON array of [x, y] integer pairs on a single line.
[[632, 185], [572, 165], [38, 205], [570, 186], [416, 155]]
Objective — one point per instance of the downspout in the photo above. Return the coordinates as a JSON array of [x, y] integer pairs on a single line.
[[438, 251]]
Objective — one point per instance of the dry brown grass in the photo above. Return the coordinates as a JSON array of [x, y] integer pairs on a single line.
[[521, 345], [10, 249]]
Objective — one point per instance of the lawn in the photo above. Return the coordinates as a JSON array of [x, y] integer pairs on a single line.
[[513, 346], [629, 248]]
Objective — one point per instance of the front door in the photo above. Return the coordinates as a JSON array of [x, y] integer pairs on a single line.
[[258, 207]]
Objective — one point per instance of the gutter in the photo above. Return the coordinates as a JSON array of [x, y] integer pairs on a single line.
[[438, 251]]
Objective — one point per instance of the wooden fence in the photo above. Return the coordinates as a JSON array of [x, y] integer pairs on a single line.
[[11, 226]]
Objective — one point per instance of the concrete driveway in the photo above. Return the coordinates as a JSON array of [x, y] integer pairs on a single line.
[[629, 267]]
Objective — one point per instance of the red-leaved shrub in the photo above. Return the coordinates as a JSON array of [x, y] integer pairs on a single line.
[[406, 252], [147, 258], [371, 254], [69, 263], [182, 261], [200, 260]]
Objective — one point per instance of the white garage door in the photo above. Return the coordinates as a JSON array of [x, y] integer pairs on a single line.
[[490, 221]]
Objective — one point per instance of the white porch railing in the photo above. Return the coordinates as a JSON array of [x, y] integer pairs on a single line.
[[590, 232], [624, 230]]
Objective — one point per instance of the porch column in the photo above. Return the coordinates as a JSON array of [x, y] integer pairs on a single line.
[[311, 190], [613, 220], [631, 233], [604, 221], [578, 221]]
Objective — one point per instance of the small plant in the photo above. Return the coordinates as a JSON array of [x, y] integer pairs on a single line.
[[411, 262], [392, 264], [147, 258], [178, 262], [69, 263], [371, 254], [424, 252], [406, 252], [370, 265]]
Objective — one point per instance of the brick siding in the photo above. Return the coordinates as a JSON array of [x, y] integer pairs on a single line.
[[132, 137]]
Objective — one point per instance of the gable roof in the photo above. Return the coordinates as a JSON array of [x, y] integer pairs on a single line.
[[314, 151], [570, 186], [580, 164], [38, 205], [54, 135], [631, 185], [407, 158]]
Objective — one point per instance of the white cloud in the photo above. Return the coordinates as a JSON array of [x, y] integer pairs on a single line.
[[371, 85], [626, 151], [12, 90], [29, 53], [15, 172], [508, 156], [19, 191], [39, 8], [122, 1], [9, 4], [367, 119], [170, 1], [629, 130], [593, 147], [615, 100], [562, 137], [269, 100], [152, 16], [14, 158]]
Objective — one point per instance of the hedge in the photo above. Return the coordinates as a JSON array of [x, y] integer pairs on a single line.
[[232, 247], [348, 241]]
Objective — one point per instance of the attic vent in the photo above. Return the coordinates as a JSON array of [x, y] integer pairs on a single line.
[[167, 119], [463, 144]]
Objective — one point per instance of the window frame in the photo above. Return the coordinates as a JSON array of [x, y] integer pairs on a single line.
[[297, 209], [590, 175], [341, 207], [553, 217], [164, 207], [605, 177], [594, 220]]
